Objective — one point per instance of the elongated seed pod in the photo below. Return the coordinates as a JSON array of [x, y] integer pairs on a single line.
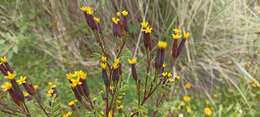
[[180, 47], [91, 22], [105, 78], [174, 48], [17, 90], [76, 93], [29, 88], [147, 41], [134, 73]]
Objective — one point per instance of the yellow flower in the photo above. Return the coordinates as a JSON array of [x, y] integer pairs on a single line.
[[115, 65], [132, 61], [22, 80], [186, 98], [103, 65], [72, 103], [162, 44], [188, 109], [169, 75], [176, 76], [69, 76], [176, 36], [118, 13], [164, 65], [111, 88], [208, 111], [164, 74], [25, 94], [6, 86], [35, 87], [87, 10], [176, 30], [50, 92], [97, 20], [80, 74], [147, 29], [117, 60], [186, 35], [101, 114], [103, 59], [171, 79], [52, 85], [144, 24], [75, 83], [10, 76], [187, 85], [68, 114], [3, 59], [115, 20], [254, 84], [125, 13], [110, 114]]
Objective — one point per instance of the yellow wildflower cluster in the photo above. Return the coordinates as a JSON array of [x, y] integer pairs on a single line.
[[51, 85], [97, 19], [132, 61], [188, 109], [103, 62], [22, 80], [6, 86], [177, 34], [87, 9], [186, 98], [168, 75], [103, 59], [116, 63], [103, 65], [76, 77], [162, 44], [146, 28], [118, 13], [123, 13], [72, 103], [3, 59], [110, 114], [176, 76], [254, 84], [25, 93], [208, 111], [35, 87], [68, 114], [50, 92], [164, 65], [115, 20], [186, 35], [188, 85], [51, 89], [10, 76]]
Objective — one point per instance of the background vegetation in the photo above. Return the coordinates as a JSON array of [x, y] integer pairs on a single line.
[[44, 39]]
